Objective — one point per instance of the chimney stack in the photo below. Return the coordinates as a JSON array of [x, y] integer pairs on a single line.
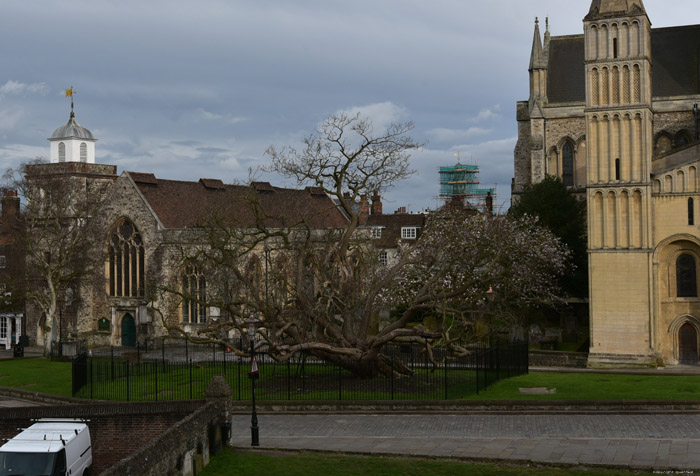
[[376, 204], [363, 210], [10, 208]]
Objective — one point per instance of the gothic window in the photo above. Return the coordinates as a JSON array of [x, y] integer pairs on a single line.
[[126, 265], [686, 281], [663, 144], [567, 159], [682, 138], [691, 212], [61, 152], [614, 47], [617, 169], [83, 152], [194, 292]]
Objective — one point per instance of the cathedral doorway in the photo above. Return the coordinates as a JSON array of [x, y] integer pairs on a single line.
[[128, 331], [688, 345]]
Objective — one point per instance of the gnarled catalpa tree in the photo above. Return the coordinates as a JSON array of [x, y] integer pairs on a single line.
[[320, 288]]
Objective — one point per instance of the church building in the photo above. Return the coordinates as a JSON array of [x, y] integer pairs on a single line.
[[147, 223], [613, 112]]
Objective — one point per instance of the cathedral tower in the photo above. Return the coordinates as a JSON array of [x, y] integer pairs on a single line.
[[619, 132]]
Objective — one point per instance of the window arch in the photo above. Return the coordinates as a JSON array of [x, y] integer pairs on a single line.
[[83, 152], [686, 276], [126, 265], [61, 152], [682, 138], [194, 293], [567, 160]]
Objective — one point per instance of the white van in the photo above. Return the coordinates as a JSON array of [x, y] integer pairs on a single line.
[[49, 447]]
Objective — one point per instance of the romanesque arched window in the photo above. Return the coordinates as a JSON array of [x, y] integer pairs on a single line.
[[83, 152], [61, 152], [126, 265], [194, 293], [686, 280], [567, 164]]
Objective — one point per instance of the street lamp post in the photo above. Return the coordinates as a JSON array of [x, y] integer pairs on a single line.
[[252, 323]]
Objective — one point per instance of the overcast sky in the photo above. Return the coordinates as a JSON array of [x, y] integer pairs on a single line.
[[189, 89]]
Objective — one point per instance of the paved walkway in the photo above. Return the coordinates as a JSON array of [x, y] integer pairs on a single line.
[[653, 442]]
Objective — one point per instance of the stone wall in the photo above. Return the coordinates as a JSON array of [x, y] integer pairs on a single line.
[[551, 358]]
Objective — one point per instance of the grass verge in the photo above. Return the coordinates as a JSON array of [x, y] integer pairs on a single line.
[[596, 386], [316, 464], [39, 375]]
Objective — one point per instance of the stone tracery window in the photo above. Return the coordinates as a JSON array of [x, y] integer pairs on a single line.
[[126, 264], [194, 293], [567, 159], [686, 276]]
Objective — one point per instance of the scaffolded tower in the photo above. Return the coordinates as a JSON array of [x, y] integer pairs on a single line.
[[461, 182]]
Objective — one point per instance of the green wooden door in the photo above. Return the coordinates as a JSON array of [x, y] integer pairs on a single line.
[[128, 331]]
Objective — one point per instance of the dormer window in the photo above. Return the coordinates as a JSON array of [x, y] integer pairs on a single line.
[[376, 232], [409, 232]]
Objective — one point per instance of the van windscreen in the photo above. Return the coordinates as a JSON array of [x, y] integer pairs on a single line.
[[26, 464]]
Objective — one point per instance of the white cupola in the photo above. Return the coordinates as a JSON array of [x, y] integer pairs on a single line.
[[72, 143]]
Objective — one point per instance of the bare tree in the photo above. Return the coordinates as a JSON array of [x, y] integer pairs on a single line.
[[323, 287], [59, 234]]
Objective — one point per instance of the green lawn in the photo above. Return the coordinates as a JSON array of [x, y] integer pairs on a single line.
[[594, 386], [311, 464], [42, 375], [36, 374]]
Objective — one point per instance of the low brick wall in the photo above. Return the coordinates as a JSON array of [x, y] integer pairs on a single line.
[[553, 358], [137, 438]]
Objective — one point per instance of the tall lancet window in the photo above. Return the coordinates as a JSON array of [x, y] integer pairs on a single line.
[[83, 152], [194, 293], [686, 276], [126, 261], [61, 152], [567, 163]]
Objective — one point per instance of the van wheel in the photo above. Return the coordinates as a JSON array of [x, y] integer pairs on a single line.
[[87, 472]]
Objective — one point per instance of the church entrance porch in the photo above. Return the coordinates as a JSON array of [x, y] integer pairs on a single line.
[[687, 345]]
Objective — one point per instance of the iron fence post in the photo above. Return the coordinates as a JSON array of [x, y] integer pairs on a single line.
[[155, 366], [190, 379], [289, 381], [444, 360]]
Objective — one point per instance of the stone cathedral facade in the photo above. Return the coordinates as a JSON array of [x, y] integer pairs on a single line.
[[613, 112]]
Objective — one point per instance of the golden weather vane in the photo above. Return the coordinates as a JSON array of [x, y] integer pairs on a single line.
[[69, 93]]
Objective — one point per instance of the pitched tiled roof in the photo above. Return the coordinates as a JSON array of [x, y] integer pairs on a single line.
[[676, 57], [392, 224], [566, 77], [676, 65], [180, 204]]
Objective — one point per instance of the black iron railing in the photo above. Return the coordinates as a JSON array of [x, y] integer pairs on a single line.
[[178, 372]]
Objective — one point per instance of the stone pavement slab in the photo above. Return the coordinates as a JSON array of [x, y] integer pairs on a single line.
[[659, 442]]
